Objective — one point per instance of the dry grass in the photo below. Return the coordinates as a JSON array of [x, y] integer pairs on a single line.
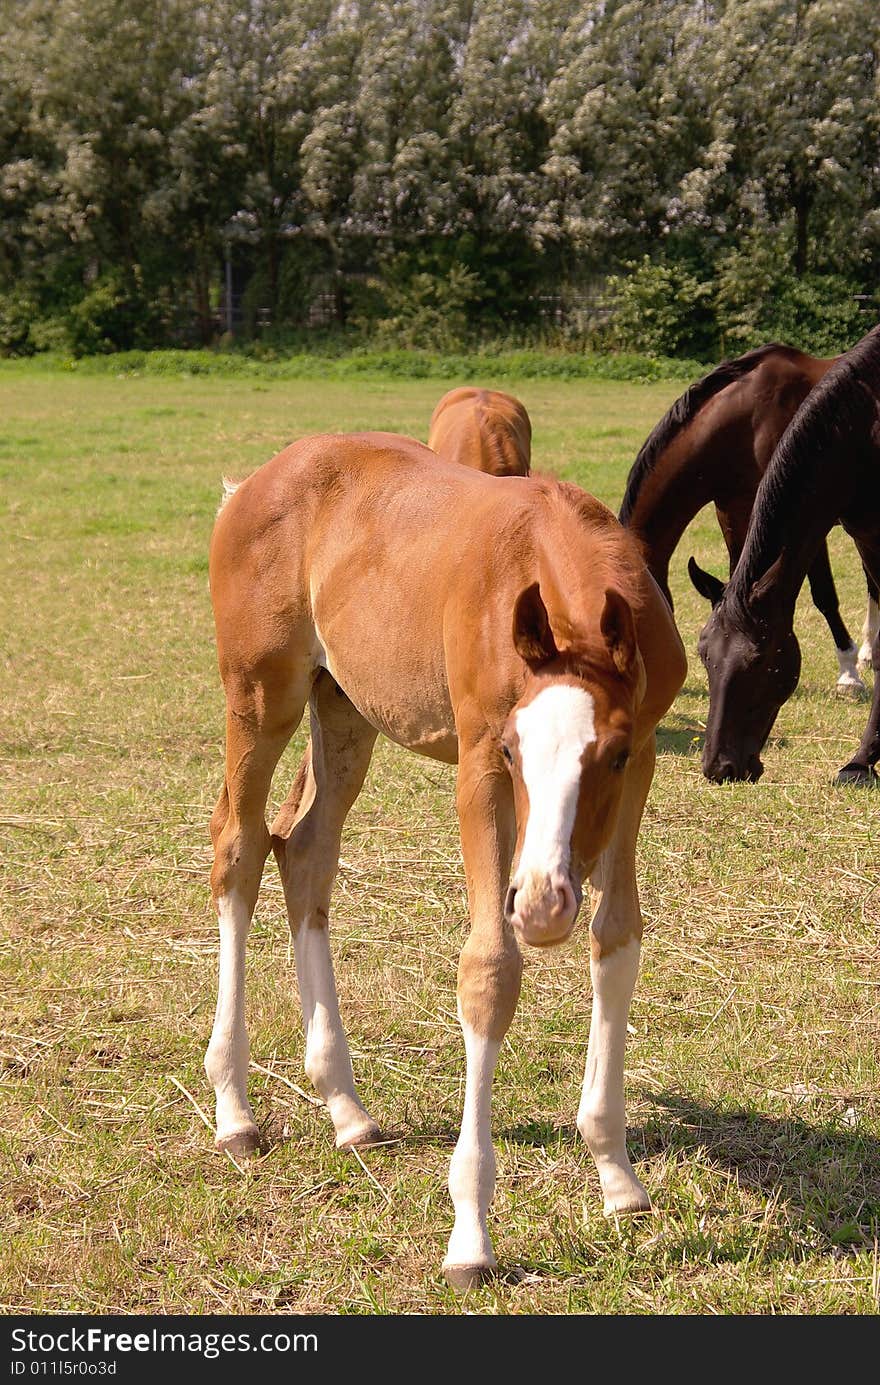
[[752, 1065]]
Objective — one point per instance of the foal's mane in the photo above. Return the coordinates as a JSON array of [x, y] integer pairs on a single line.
[[837, 415], [682, 412], [615, 553]]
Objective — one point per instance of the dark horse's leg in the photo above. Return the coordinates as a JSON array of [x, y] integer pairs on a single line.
[[733, 518], [860, 769], [871, 626], [824, 594]]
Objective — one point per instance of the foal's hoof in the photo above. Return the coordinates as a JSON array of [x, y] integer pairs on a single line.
[[634, 1205], [246, 1143], [852, 690], [860, 775], [464, 1277], [361, 1137]]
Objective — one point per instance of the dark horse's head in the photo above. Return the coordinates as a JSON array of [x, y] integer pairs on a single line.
[[753, 661]]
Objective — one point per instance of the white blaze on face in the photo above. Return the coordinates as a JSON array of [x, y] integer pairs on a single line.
[[554, 730]]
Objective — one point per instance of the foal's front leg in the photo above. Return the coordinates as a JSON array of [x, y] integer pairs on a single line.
[[615, 945], [489, 972]]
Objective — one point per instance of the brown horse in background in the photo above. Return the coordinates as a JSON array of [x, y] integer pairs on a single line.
[[353, 574], [486, 430], [713, 445]]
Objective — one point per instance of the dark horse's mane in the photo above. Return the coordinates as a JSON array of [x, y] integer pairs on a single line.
[[680, 414], [837, 414]]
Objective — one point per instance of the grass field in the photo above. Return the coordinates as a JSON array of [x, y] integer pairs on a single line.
[[752, 1080]]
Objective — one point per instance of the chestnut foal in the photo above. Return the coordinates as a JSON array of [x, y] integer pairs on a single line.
[[484, 429], [513, 629]]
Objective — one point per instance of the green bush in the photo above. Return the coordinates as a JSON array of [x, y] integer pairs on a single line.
[[820, 313], [18, 313], [113, 315], [661, 308], [51, 334], [485, 366], [423, 309], [305, 271], [758, 299]]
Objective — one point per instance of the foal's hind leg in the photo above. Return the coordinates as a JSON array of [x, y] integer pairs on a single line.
[[260, 719], [306, 836], [615, 946]]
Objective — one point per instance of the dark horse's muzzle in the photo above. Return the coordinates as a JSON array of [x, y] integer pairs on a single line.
[[725, 769]]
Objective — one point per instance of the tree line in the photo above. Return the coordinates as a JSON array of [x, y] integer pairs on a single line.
[[667, 174]]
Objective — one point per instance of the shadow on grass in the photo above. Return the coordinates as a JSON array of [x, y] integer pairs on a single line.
[[684, 736], [680, 740], [680, 735], [820, 1182], [829, 1177]]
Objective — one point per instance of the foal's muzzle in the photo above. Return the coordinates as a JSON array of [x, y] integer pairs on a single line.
[[542, 909]]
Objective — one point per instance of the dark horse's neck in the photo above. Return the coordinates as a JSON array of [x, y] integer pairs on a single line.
[[812, 482], [679, 469]]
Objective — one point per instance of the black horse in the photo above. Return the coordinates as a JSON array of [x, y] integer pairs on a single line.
[[825, 470], [714, 444]]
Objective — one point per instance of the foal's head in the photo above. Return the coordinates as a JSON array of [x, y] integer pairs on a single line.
[[753, 666], [566, 742]]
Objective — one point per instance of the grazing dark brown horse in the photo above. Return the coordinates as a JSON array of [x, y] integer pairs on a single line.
[[512, 629], [486, 430], [714, 445], [825, 470]]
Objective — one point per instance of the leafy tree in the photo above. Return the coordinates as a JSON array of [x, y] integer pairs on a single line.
[[494, 146], [627, 119], [794, 126]]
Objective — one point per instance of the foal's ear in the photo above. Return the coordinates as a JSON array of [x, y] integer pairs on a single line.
[[532, 637], [618, 627], [707, 585]]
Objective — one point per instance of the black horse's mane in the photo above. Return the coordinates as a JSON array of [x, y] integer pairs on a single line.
[[835, 418], [680, 414]]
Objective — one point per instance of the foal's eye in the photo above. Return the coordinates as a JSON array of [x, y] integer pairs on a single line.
[[505, 751], [618, 764]]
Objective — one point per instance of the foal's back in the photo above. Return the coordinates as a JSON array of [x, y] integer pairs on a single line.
[[381, 522], [367, 555], [486, 430]]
